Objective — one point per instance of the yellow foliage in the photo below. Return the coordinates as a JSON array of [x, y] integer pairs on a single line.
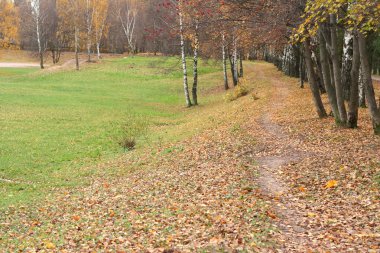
[[9, 25], [239, 91]]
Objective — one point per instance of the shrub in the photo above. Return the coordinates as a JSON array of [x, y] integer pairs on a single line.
[[131, 131], [128, 143], [239, 91]]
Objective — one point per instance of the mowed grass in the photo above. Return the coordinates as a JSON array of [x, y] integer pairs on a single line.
[[53, 124]]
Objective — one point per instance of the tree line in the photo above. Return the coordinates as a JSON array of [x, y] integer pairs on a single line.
[[334, 45]]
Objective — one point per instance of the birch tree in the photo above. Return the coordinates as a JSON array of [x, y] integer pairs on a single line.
[[127, 14], [100, 13], [39, 16], [89, 15]]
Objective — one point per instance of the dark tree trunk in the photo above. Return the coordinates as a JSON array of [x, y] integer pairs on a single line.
[[241, 73], [76, 48], [224, 55], [352, 121], [367, 79], [326, 76], [313, 85], [41, 55], [302, 78], [195, 66], [337, 71]]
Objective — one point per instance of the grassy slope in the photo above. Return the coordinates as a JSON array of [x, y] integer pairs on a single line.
[[53, 124]]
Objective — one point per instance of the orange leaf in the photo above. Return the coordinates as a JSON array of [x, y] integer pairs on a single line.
[[302, 189], [331, 184], [271, 215], [76, 218]]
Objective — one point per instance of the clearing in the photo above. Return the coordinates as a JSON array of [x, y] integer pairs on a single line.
[[53, 123]]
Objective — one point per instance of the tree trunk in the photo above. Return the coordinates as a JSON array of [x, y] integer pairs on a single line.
[[88, 52], [367, 79], [89, 29], [337, 71], [39, 42], [352, 121], [347, 64], [302, 78], [41, 55], [235, 59], [313, 85], [232, 66], [184, 66], [241, 73], [195, 66], [98, 50], [76, 47], [301, 69], [226, 87], [327, 78], [362, 102]]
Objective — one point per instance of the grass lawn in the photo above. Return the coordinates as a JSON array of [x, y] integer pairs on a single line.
[[53, 124]]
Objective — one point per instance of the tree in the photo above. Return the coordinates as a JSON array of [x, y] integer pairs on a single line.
[[100, 13], [359, 19], [9, 25], [127, 14]]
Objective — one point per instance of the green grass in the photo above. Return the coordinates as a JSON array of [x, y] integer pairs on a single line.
[[53, 124], [9, 72]]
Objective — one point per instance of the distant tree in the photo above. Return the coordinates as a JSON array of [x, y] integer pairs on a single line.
[[9, 25], [100, 13]]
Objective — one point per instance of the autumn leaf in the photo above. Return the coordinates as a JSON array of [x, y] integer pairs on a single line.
[[50, 245], [331, 184], [76, 217], [302, 189], [271, 215]]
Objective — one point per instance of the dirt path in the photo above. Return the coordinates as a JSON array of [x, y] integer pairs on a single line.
[[279, 150], [18, 65]]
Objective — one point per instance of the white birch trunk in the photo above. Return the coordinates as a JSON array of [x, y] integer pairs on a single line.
[[224, 62], [184, 66], [235, 59], [347, 64], [128, 26]]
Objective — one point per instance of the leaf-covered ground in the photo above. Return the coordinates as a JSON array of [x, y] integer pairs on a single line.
[[266, 176]]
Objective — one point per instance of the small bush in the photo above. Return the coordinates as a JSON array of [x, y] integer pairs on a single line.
[[131, 131], [128, 143], [239, 91]]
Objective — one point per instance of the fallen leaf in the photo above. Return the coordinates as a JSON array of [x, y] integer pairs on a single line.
[[271, 215], [331, 184], [50, 245], [302, 189]]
